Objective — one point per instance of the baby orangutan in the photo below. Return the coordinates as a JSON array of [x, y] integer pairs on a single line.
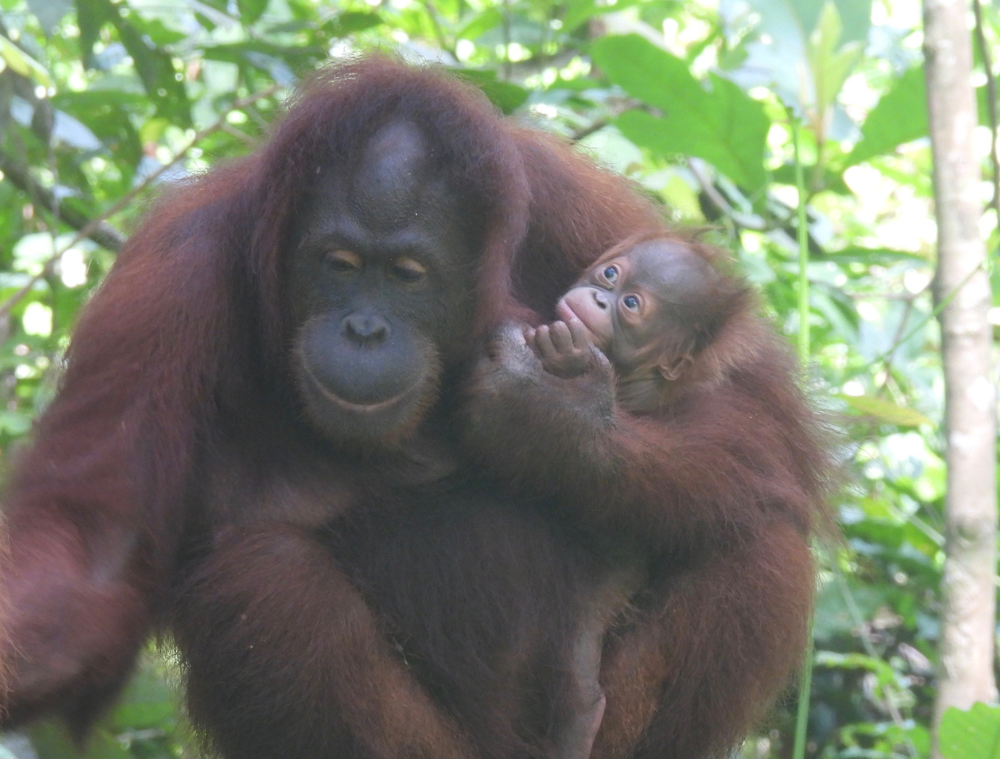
[[649, 306]]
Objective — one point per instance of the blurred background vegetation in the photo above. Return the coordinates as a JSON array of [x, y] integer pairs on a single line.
[[704, 104]]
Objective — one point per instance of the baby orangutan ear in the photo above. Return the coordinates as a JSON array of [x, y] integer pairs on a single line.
[[673, 369]]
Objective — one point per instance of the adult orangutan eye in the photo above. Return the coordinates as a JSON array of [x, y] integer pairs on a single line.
[[408, 270], [344, 261], [611, 274], [631, 302]]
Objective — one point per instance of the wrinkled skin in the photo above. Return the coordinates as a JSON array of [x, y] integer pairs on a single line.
[[383, 276]]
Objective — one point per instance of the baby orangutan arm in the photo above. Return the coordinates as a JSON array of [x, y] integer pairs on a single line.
[[730, 457]]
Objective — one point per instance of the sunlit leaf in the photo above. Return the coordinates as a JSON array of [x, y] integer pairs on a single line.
[[830, 62], [855, 253], [22, 63], [91, 15], [352, 22], [156, 69], [720, 124], [50, 12], [972, 734], [251, 10], [506, 96], [579, 12], [70, 131], [886, 411], [481, 24], [899, 117], [777, 15]]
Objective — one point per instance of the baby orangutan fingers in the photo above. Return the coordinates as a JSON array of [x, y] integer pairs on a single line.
[[564, 352], [561, 337], [579, 334]]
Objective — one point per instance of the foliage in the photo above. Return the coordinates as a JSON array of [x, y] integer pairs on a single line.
[[972, 734], [101, 101]]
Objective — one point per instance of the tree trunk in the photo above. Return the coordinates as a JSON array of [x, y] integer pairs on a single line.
[[968, 590]]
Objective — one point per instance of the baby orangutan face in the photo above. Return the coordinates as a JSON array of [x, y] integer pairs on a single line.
[[641, 306]]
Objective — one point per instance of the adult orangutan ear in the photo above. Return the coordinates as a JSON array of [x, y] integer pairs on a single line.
[[673, 370]]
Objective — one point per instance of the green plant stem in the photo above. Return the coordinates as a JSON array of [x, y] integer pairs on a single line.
[[803, 240], [805, 680], [805, 689]]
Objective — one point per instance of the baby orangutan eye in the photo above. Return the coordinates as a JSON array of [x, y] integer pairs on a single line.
[[631, 302], [610, 274]]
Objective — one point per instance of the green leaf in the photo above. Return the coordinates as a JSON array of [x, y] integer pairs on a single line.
[[251, 10], [147, 702], [90, 17], [51, 740], [830, 64], [50, 12], [352, 22], [22, 63], [506, 96], [857, 254], [14, 423], [481, 24], [899, 117], [886, 411], [972, 734], [777, 15], [581, 11], [156, 70], [721, 125], [157, 31]]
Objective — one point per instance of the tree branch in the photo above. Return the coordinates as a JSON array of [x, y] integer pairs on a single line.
[[91, 226], [102, 233]]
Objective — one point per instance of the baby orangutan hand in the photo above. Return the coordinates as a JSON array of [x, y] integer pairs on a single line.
[[563, 347]]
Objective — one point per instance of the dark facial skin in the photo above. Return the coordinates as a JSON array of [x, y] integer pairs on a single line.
[[640, 308], [381, 282]]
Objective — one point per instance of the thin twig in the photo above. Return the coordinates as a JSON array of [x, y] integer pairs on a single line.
[[943, 301], [720, 202], [243, 137], [894, 346], [594, 126]]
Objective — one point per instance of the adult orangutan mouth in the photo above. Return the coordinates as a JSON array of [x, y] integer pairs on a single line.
[[358, 408]]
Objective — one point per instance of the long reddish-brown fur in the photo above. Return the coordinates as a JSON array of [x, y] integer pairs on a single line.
[[718, 488], [174, 485]]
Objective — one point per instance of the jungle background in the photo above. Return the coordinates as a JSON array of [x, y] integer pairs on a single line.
[[730, 113]]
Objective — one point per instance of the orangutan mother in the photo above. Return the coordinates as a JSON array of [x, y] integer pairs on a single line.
[[253, 449]]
